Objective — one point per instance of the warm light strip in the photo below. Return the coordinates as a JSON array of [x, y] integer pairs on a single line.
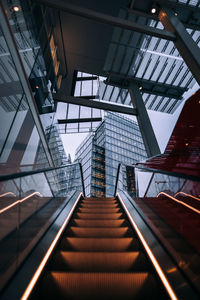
[[178, 201], [19, 201], [8, 193], [186, 195], [47, 255], [150, 254]]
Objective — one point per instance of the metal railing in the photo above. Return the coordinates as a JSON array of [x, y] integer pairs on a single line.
[[30, 202], [157, 181]]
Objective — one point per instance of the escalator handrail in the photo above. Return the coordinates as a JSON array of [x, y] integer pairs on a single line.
[[20, 201], [147, 169], [157, 237], [169, 173], [33, 172], [187, 195], [179, 202], [117, 179]]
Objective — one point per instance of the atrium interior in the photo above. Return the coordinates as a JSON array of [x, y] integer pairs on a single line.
[[121, 219]]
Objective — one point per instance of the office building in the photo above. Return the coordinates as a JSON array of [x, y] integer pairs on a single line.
[[116, 140]]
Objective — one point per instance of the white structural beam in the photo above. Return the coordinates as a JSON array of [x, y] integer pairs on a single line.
[[146, 129], [184, 43], [96, 104]]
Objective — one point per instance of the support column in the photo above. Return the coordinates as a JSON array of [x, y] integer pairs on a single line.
[[148, 135], [184, 43]]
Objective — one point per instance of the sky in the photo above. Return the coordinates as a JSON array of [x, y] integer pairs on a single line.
[[162, 123]]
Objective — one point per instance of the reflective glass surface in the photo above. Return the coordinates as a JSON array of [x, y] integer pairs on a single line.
[[19, 141], [154, 63], [116, 140]]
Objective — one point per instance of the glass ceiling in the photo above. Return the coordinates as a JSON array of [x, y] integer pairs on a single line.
[[144, 58], [86, 86], [188, 2], [153, 63]]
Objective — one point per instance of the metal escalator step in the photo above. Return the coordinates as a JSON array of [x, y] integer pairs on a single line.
[[99, 210], [99, 244], [98, 232], [99, 223], [99, 261], [96, 216], [104, 286], [107, 199], [99, 206], [99, 202]]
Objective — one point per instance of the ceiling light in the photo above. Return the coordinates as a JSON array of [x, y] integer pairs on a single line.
[[153, 10], [16, 8]]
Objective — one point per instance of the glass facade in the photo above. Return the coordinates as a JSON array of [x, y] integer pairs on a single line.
[[56, 146], [19, 137], [22, 144], [98, 172], [84, 156], [116, 140]]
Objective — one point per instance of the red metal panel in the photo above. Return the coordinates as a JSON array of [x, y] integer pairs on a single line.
[[182, 154]]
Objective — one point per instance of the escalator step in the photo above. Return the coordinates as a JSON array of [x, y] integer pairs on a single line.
[[85, 205], [99, 210], [99, 261], [100, 199], [105, 203], [104, 286], [96, 216], [99, 223], [99, 257], [100, 244], [98, 232]]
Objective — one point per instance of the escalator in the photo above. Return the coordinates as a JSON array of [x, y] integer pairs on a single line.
[[185, 220], [99, 256]]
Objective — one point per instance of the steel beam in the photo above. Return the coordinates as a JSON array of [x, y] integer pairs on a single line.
[[81, 120], [96, 104], [155, 17], [12, 46], [152, 92], [107, 19], [145, 90], [146, 129], [184, 42], [148, 86], [86, 78], [175, 4]]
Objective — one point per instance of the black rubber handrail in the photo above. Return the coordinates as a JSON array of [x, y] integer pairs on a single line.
[[138, 166], [175, 174], [117, 179], [28, 173]]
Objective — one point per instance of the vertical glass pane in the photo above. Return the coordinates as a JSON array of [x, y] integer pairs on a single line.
[[11, 92], [23, 149]]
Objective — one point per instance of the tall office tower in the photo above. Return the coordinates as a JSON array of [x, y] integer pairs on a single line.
[[56, 146], [116, 140]]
